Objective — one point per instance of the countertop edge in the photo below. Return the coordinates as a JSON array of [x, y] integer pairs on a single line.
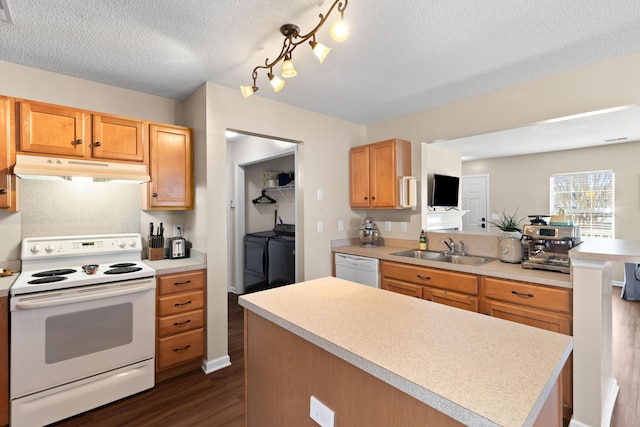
[[198, 261]]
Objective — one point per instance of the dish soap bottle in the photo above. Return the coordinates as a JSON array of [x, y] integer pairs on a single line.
[[423, 241]]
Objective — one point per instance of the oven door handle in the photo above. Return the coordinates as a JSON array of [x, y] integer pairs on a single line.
[[98, 292]]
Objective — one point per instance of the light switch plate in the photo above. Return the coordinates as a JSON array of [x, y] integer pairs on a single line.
[[340, 225], [403, 227], [387, 226], [320, 226]]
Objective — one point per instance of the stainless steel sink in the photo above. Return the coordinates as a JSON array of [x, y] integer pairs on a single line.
[[443, 257], [463, 259], [418, 254]]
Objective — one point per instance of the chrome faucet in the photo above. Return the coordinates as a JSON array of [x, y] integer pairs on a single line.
[[453, 246]]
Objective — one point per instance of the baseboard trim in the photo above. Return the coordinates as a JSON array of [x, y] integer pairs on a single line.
[[209, 366]]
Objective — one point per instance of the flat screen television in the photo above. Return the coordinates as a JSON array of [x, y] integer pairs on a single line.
[[445, 191]]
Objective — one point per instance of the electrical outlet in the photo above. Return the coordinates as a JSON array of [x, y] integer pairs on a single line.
[[403, 227], [320, 226], [320, 413], [320, 194], [178, 230], [387, 226], [340, 225]]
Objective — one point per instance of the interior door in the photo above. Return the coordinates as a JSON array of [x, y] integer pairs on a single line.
[[475, 199]]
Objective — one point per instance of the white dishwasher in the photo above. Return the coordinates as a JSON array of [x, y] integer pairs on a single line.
[[358, 269]]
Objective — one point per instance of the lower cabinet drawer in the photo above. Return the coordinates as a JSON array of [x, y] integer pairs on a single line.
[[535, 296], [402, 288], [454, 299], [180, 303], [179, 323], [180, 348]]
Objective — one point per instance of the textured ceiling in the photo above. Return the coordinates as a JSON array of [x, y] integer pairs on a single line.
[[401, 57]]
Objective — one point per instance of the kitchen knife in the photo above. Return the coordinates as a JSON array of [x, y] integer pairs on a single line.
[[151, 242]]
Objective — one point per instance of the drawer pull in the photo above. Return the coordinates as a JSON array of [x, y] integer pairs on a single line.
[[182, 348], [182, 323], [181, 283], [521, 295], [423, 277], [181, 304], [3, 191]]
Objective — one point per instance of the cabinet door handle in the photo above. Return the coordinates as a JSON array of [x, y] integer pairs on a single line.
[[521, 295], [181, 283], [179, 304], [3, 191], [182, 323], [78, 142], [366, 198], [182, 348], [154, 195], [98, 144], [423, 277]]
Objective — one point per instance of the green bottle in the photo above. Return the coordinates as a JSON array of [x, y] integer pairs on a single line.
[[423, 241]]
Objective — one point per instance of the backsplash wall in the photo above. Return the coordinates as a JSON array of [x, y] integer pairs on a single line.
[[64, 208]]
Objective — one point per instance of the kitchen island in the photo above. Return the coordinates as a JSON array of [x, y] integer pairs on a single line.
[[378, 358]]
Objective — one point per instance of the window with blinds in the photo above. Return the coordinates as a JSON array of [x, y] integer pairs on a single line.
[[588, 197]]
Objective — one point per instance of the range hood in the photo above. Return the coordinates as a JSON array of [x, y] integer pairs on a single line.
[[54, 168]]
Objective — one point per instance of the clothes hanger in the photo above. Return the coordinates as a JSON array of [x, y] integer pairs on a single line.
[[263, 199]]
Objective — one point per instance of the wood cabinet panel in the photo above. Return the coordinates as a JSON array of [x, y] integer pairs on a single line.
[[180, 303], [181, 315], [118, 138], [171, 168], [52, 129], [375, 172], [178, 349], [454, 299], [453, 281], [402, 288], [359, 168], [528, 316], [7, 156], [180, 282], [530, 295], [171, 325]]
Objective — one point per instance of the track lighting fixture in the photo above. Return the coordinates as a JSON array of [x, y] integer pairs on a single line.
[[292, 39]]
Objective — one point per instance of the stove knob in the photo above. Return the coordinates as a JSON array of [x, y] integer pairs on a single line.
[[122, 244], [132, 243], [36, 248], [50, 248]]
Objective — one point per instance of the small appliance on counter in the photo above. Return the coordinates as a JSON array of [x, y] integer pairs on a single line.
[[511, 249], [368, 233], [178, 247], [546, 247]]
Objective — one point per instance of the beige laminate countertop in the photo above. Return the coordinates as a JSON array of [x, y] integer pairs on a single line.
[[167, 266], [493, 269], [607, 250], [479, 370]]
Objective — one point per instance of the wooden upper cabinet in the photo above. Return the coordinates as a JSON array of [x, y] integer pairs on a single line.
[[52, 129], [7, 156], [118, 138], [376, 171], [171, 168]]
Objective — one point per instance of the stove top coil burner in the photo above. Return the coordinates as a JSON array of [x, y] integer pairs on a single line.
[[59, 272], [123, 270], [123, 264], [46, 279]]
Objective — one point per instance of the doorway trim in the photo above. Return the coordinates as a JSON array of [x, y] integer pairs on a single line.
[[236, 209]]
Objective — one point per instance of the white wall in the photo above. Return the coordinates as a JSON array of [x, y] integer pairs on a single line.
[[604, 85]]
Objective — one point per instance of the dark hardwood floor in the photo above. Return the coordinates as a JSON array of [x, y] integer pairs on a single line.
[[195, 399]]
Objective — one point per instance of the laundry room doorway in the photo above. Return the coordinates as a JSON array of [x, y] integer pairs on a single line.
[[262, 203]]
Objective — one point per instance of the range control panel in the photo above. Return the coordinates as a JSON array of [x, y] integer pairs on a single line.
[[63, 246]]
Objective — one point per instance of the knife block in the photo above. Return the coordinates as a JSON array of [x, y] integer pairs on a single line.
[[156, 254]]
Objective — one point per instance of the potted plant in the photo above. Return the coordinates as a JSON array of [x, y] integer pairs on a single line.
[[508, 223]]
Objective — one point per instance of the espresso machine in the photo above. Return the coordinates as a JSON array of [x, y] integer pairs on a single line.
[[546, 247]]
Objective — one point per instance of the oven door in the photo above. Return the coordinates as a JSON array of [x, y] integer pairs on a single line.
[[58, 337]]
